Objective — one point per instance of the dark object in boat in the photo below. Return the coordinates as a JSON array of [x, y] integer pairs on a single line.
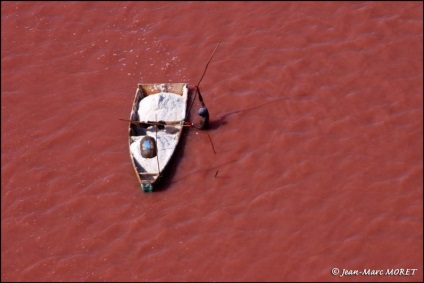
[[148, 147], [161, 125]]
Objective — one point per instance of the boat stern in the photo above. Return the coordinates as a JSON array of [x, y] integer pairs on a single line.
[[146, 187]]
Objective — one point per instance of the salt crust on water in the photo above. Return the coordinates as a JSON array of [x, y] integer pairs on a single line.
[[163, 106]]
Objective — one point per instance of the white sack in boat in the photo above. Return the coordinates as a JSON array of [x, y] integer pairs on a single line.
[[164, 106]]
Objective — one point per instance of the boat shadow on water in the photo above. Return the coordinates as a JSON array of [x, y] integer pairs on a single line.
[[167, 175]]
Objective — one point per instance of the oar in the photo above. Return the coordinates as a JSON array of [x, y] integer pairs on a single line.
[[164, 123], [197, 90], [210, 59]]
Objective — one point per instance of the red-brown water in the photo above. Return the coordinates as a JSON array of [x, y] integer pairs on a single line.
[[322, 169]]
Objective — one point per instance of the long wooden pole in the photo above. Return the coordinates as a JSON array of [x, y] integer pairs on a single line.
[[171, 123], [210, 59]]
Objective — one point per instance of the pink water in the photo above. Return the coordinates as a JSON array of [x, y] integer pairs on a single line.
[[317, 121]]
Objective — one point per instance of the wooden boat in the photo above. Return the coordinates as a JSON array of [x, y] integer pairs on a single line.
[[156, 123]]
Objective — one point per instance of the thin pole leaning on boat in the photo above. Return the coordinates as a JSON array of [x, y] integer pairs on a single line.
[[198, 84], [210, 59]]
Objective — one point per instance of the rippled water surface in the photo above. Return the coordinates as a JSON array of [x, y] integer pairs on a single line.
[[316, 119]]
